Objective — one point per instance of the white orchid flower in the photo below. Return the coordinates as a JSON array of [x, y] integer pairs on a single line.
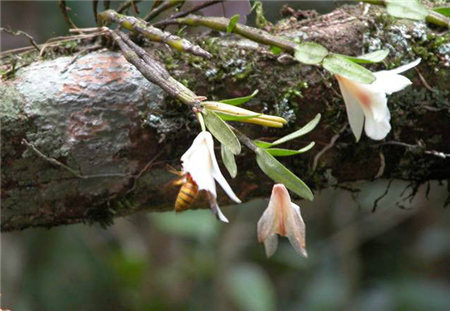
[[200, 162], [281, 217], [369, 102]]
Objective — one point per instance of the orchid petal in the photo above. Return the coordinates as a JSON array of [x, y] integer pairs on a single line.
[[271, 244], [377, 130], [216, 210], [199, 163], [295, 230], [389, 83], [354, 109], [281, 217], [406, 67], [216, 173]]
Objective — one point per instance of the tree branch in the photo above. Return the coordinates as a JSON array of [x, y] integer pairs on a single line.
[[102, 118]]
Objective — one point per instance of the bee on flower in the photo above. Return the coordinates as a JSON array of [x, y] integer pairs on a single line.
[[366, 104], [202, 170], [282, 217]]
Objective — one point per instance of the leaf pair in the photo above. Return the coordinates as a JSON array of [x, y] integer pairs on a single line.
[[313, 54]]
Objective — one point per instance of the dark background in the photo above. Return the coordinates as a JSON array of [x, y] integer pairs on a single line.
[[397, 258]]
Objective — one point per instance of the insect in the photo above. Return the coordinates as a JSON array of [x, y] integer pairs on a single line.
[[188, 191]]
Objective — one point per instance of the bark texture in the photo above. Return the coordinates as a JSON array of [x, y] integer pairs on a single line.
[[105, 123]]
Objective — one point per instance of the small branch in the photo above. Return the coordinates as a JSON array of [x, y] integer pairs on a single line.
[[63, 8], [106, 4], [81, 176], [152, 70], [152, 33], [95, 9], [78, 54], [439, 154], [163, 7], [427, 86], [327, 147], [254, 34], [23, 33], [186, 13], [127, 4], [382, 166]]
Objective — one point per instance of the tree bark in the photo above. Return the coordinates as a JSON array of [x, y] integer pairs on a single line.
[[92, 142]]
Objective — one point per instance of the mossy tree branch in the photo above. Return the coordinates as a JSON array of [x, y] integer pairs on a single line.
[[107, 123]]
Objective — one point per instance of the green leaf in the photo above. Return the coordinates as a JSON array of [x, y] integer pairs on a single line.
[[310, 53], [221, 131], [340, 65], [276, 152], [304, 130], [231, 117], [249, 288], [280, 174], [239, 100], [228, 160], [262, 144], [374, 57], [443, 11], [276, 50], [232, 24], [411, 9]]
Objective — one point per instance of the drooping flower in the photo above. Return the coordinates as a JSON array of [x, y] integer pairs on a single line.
[[282, 217], [200, 162], [369, 102]]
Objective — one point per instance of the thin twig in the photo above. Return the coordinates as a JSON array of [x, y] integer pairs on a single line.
[[127, 4], [79, 174], [244, 139], [151, 69], [146, 167], [436, 153], [63, 8], [95, 9], [186, 13], [327, 147], [79, 53], [427, 86], [382, 166], [163, 7], [20, 32]]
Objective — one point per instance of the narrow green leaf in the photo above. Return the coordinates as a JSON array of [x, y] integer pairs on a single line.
[[411, 9], [340, 65], [374, 57], [232, 24], [262, 144], [280, 174], [239, 100], [310, 53], [276, 50], [304, 130], [443, 11], [228, 160], [276, 152], [231, 117], [221, 131]]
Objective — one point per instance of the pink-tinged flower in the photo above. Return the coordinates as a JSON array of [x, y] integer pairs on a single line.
[[200, 162], [369, 102], [282, 217]]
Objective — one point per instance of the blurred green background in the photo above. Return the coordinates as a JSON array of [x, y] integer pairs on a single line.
[[396, 259]]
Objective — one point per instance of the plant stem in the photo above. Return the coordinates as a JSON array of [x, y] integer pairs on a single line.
[[221, 23], [152, 70], [185, 13], [201, 121], [163, 7], [244, 139], [154, 34]]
